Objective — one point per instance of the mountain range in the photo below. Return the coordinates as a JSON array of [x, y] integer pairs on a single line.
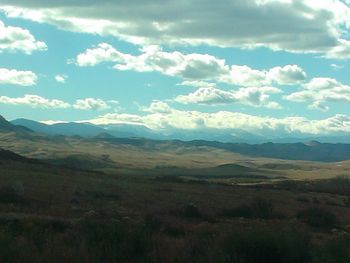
[[137, 137], [129, 130]]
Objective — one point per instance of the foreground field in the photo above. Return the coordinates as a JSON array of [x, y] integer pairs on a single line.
[[54, 214]]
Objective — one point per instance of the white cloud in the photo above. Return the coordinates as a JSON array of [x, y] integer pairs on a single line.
[[245, 76], [208, 96], [194, 68], [196, 83], [172, 119], [18, 39], [15, 77], [341, 51], [253, 96], [102, 53], [293, 25], [35, 101], [52, 122], [158, 107], [61, 78], [153, 58], [336, 66], [287, 75], [320, 91], [91, 104]]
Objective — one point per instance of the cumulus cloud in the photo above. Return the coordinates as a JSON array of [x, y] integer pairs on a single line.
[[253, 96], [287, 75], [341, 51], [320, 91], [153, 58], [293, 25], [102, 53], [35, 101], [161, 117], [158, 107], [91, 104], [18, 39], [15, 77], [194, 68], [61, 78]]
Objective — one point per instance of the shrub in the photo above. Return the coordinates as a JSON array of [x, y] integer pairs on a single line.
[[303, 199], [334, 251], [9, 194], [259, 208], [317, 217], [191, 211], [264, 245], [175, 231]]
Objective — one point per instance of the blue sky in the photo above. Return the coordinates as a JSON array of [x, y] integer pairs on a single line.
[[278, 66]]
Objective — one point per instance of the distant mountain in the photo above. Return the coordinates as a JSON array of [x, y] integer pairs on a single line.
[[66, 129], [309, 151], [140, 131], [237, 136], [26, 142], [141, 136], [130, 130], [104, 136], [6, 126]]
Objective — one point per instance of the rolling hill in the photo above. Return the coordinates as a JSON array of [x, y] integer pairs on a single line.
[[198, 158]]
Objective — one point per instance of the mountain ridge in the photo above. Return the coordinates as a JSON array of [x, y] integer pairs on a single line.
[[309, 151], [128, 130]]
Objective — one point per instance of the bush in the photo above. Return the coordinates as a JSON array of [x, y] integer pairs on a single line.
[[259, 208], [113, 241], [303, 199], [191, 211], [334, 251], [317, 217], [9, 194], [175, 231], [263, 245]]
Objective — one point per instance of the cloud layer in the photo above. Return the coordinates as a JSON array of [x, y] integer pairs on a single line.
[[161, 117], [293, 25], [191, 67], [36, 101]]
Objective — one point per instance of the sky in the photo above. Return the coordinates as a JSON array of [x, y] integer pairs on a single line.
[[262, 66]]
